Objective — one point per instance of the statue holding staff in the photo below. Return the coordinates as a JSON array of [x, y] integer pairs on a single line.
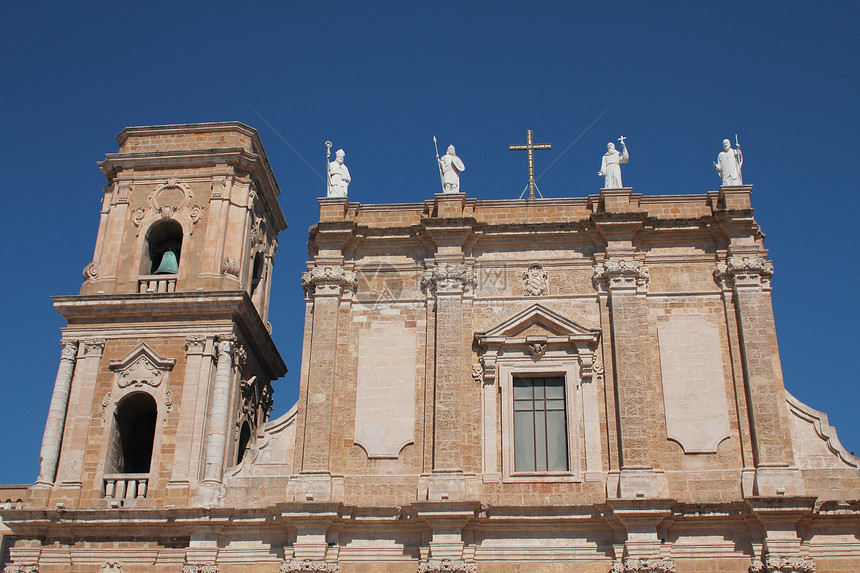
[[610, 165], [729, 163], [338, 175]]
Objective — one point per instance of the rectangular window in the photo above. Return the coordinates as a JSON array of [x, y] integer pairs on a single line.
[[540, 425]]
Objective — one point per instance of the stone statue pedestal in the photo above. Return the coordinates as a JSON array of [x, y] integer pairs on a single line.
[[448, 205], [735, 197], [333, 208]]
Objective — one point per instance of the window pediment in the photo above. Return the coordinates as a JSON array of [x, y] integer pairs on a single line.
[[538, 323], [141, 366]]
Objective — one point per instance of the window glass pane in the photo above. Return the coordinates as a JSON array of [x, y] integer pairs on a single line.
[[554, 404], [538, 386], [556, 441], [540, 441], [554, 387], [524, 440], [522, 388]]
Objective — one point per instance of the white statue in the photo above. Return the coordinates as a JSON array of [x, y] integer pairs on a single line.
[[729, 163], [338, 176], [610, 166], [450, 167]]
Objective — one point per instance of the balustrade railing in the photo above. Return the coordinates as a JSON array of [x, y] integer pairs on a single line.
[[126, 486], [156, 283]]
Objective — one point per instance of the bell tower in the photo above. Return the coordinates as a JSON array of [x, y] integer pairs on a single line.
[[167, 362]]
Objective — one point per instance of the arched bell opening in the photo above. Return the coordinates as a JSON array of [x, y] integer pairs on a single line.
[[257, 273], [163, 246], [244, 439], [133, 435]]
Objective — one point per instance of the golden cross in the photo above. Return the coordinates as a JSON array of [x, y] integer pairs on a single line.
[[530, 147]]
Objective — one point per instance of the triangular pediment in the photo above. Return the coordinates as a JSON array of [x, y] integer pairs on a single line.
[[538, 321], [147, 354]]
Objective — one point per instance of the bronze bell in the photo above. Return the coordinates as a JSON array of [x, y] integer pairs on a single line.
[[169, 264]]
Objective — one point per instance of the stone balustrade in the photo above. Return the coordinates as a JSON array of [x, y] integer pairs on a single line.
[[156, 283], [126, 486]]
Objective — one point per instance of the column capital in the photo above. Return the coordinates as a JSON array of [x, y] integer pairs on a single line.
[[448, 279], [195, 344], [620, 275], [70, 348], [744, 272], [94, 346], [328, 281]]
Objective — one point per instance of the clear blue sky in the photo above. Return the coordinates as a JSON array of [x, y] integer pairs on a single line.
[[379, 79]]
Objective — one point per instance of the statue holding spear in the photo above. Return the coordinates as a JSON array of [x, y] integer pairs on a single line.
[[450, 167], [729, 163]]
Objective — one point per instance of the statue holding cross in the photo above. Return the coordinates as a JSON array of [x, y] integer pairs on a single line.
[[530, 147], [610, 166]]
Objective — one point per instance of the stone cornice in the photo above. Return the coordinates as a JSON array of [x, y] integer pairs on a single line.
[[222, 308]]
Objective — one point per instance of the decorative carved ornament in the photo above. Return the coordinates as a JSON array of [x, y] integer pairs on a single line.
[[328, 281], [112, 567], [137, 216], [783, 565], [620, 275], [230, 266], [448, 278], [447, 566], [21, 569], [141, 366], [744, 272], [477, 372], [308, 566], [644, 566], [535, 281], [211, 568], [91, 271]]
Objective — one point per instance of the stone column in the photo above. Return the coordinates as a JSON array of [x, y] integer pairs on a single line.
[[53, 437], [219, 410]]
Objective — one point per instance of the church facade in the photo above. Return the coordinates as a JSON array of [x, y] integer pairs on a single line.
[[582, 384]]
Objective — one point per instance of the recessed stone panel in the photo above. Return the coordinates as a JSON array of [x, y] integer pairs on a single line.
[[694, 392], [385, 390]]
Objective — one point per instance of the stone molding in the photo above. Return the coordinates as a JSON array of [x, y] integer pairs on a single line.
[[308, 566], [211, 568], [773, 564], [659, 565], [447, 278], [447, 566], [535, 280], [21, 569], [620, 275], [744, 272], [328, 281]]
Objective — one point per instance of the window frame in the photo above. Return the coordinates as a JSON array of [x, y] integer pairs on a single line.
[[568, 370]]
